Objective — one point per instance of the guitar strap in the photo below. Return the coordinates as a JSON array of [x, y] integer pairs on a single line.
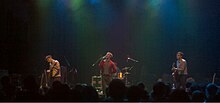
[[53, 67], [58, 70]]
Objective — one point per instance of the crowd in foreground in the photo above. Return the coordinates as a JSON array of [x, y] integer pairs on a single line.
[[117, 91]]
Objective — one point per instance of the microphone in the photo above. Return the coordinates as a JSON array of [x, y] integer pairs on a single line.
[[104, 57], [99, 59], [133, 60], [93, 65]]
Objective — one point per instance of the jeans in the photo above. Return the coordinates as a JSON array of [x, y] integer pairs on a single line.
[[181, 81], [106, 79]]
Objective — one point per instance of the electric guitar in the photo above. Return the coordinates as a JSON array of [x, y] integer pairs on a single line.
[[175, 72], [54, 70]]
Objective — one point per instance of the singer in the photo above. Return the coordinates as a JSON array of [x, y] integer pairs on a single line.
[[107, 69]]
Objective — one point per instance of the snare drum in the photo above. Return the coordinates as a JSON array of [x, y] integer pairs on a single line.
[[120, 75]]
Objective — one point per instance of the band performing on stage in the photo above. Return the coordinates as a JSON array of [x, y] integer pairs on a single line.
[[109, 71], [110, 51]]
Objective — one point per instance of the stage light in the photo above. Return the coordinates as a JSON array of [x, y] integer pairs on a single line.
[[94, 1]]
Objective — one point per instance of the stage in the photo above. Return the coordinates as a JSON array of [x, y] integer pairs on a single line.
[[142, 34]]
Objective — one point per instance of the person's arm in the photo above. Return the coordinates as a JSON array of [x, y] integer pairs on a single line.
[[173, 67], [185, 65], [56, 65], [185, 68], [101, 66], [114, 68], [56, 68]]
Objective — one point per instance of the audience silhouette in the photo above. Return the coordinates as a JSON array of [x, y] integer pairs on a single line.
[[29, 91]]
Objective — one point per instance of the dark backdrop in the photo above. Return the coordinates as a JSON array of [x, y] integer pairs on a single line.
[[151, 31]]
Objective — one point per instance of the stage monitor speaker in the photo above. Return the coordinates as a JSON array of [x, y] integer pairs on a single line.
[[97, 84]]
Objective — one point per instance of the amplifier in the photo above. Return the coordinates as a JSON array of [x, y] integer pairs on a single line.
[[97, 84]]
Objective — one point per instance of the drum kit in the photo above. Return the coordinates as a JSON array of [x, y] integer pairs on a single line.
[[123, 74]]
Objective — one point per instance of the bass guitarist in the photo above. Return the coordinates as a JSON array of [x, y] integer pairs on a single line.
[[180, 72]]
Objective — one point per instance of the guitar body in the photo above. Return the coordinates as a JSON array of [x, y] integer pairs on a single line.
[[175, 74], [54, 72], [55, 69]]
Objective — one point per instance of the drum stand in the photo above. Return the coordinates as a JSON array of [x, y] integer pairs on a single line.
[[127, 83], [126, 80]]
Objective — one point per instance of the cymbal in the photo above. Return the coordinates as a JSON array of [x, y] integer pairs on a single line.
[[127, 73], [125, 68]]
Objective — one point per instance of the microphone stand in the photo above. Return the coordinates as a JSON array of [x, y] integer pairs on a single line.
[[96, 62], [134, 62], [67, 61], [69, 66], [44, 78], [133, 65]]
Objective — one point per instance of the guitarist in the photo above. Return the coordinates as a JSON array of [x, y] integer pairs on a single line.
[[54, 69], [180, 71]]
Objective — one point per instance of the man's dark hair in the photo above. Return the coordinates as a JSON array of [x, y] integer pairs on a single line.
[[48, 56], [181, 53]]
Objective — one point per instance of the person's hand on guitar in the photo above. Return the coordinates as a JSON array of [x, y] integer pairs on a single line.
[[48, 71], [173, 67]]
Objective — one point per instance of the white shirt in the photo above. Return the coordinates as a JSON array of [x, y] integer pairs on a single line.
[[182, 66]]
